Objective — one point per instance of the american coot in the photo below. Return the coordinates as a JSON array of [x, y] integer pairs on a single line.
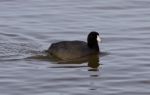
[[67, 50]]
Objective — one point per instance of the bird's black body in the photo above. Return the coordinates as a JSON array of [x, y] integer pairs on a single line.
[[66, 50]]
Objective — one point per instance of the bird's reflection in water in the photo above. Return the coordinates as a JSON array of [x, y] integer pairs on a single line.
[[92, 61]]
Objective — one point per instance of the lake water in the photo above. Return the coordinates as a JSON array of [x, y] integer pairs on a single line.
[[28, 27]]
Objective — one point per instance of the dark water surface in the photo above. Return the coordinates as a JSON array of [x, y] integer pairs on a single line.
[[28, 27]]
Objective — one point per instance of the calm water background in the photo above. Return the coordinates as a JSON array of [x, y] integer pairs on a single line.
[[28, 27]]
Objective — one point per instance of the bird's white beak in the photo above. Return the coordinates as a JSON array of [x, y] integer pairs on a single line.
[[99, 39]]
